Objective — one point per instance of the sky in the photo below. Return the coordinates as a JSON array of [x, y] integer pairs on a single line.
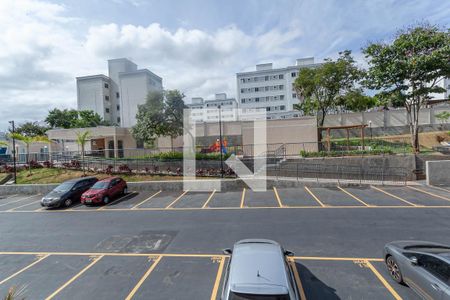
[[196, 46]]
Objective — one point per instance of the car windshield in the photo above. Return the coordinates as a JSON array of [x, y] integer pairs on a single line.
[[241, 296], [100, 185], [64, 187]]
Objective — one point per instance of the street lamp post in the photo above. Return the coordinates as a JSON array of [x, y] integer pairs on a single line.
[[220, 140], [14, 151], [370, 129]]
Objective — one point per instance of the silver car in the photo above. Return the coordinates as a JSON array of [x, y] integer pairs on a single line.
[[258, 269], [423, 266]]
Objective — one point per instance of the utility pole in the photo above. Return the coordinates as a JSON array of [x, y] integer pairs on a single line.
[[220, 140], [14, 151]]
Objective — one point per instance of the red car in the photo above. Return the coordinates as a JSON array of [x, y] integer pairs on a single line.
[[104, 190]]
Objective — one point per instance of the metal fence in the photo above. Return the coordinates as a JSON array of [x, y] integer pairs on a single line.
[[350, 172]]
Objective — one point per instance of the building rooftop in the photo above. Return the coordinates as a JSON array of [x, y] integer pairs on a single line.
[[98, 76]]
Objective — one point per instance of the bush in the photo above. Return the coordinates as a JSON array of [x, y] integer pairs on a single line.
[[124, 169], [48, 164], [35, 165], [73, 164]]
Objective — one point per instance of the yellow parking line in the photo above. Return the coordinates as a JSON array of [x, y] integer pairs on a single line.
[[431, 194], [218, 276], [315, 197], [278, 197], [394, 196], [141, 281], [121, 198], [115, 254], [24, 269], [209, 199], [94, 261], [242, 198], [354, 197], [297, 279], [18, 200], [336, 258], [383, 281], [149, 198], [12, 209], [178, 198]]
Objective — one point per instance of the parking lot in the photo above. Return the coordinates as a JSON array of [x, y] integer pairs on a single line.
[[166, 245], [177, 276], [298, 198]]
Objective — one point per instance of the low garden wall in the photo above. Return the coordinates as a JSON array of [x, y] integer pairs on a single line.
[[438, 172]]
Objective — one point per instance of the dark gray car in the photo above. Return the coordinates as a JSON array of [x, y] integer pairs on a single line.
[[68, 192], [258, 269], [423, 266]]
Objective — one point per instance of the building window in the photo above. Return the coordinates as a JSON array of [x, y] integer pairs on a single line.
[[106, 85], [242, 91], [107, 110], [256, 99], [280, 76], [281, 87], [282, 107], [266, 78], [118, 107], [118, 119], [281, 97], [267, 108], [117, 95], [294, 95], [293, 74], [107, 98], [242, 100]]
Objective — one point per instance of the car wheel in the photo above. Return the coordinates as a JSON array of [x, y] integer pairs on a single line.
[[67, 202], [394, 269], [125, 190], [105, 200]]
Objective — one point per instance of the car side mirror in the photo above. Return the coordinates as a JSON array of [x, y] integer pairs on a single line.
[[414, 261], [227, 251], [288, 253]]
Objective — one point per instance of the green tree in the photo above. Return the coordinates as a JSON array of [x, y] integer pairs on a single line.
[[31, 129], [410, 67], [62, 118], [443, 116], [82, 139], [28, 140], [355, 100], [322, 88], [74, 119], [160, 115]]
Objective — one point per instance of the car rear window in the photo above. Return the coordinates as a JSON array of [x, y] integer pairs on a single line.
[[240, 296]]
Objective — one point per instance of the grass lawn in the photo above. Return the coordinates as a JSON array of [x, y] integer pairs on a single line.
[[56, 175]]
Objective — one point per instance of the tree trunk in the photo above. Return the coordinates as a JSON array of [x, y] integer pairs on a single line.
[[28, 159], [320, 122], [413, 116], [82, 160]]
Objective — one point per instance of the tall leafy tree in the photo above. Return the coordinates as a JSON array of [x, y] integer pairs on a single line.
[[160, 115], [321, 89], [355, 100], [74, 119], [410, 66], [62, 118], [31, 129]]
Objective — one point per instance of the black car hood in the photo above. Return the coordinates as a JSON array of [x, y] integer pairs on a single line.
[[55, 194]]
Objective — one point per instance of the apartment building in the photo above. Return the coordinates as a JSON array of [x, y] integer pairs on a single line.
[[207, 110], [270, 89], [116, 97]]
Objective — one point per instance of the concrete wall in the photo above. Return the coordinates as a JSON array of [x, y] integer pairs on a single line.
[[438, 172], [389, 118]]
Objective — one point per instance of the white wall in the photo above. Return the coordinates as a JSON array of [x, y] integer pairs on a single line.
[[91, 96]]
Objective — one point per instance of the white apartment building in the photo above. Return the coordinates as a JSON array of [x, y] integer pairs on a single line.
[[207, 110], [116, 97], [270, 89]]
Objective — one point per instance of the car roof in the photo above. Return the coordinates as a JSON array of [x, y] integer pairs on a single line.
[[257, 267], [108, 179], [75, 180]]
